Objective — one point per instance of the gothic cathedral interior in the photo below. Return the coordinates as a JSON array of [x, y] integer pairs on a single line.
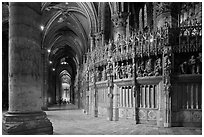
[[136, 60]]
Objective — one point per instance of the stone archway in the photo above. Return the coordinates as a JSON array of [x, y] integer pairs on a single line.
[[66, 35]]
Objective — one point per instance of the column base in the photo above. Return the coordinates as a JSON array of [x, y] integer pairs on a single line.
[[167, 124], [115, 114], [96, 113], [26, 124], [109, 114]]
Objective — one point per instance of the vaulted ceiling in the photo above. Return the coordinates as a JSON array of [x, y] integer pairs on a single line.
[[67, 27]]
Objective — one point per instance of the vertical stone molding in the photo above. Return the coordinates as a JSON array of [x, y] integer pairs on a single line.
[[95, 95], [167, 67], [115, 103], [45, 80], [165, 16], [87, 84], [92, 42], [25, 89], [110, 90]]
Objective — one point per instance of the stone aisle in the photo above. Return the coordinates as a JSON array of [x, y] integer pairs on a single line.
[[67, 120]]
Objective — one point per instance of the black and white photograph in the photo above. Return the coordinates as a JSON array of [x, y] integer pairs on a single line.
[[102, 68]]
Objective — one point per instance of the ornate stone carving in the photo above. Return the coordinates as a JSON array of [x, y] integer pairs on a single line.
[[152, 115], [109, 67], [199, 64], [196, 116], [192, 64], [117, 71], [184, 67], [158, 67], [119, 19], [148, 68], [167, 66], [129, 70], [104, 74], [140, 69], [162, 7], [141, 114]]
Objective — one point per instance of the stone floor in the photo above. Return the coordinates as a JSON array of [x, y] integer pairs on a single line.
[[68, 120]]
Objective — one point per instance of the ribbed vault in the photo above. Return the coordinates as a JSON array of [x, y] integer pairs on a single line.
[[67, 27]]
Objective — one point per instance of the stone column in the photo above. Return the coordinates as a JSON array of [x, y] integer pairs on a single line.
[[25, 80], [165, 17], [115, 103], [167, 67], [95, 95], [110, 90], [135, 86], [92, 42], [45, 81], [119, 21], [58, 88], [87, 88], [79, 86]]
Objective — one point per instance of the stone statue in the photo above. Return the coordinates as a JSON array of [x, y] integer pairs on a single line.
[[99, 75], [117, 71], [123, 71], [110, 46], [104, 74], [129, 70], [192, 64], [199, 64], [148, 68], [158, 67], [184, 67], [167, 65], [140, 70]]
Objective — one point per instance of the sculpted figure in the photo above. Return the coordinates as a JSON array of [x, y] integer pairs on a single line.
[[167, 65], [199, 64], [104, 75], [117, 71], [99, 75], [140, 70], [129, 70], [148, 68], [192, 64], [123, 69], [184, 67], [158, 68]]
